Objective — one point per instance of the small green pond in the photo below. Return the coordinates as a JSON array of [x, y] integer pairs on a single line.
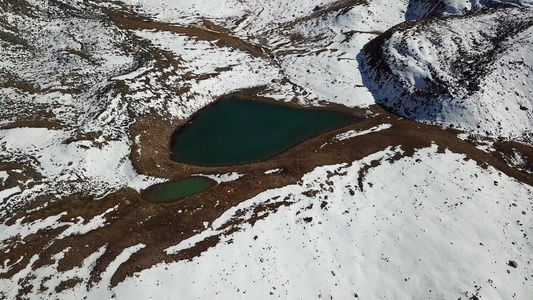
[[173, 191], [236, 131]]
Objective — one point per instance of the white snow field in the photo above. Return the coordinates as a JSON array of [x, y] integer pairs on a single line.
[[431, 226], [440, 233]]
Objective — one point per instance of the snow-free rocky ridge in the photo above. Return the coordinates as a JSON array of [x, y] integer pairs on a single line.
[[427, 195]]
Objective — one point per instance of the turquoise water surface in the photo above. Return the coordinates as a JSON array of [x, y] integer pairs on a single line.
[[236, 131], [176, 190]]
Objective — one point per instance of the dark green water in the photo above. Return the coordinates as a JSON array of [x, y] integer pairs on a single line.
[[236, 131], [176, 190]]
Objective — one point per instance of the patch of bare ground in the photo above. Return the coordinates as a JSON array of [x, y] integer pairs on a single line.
[[211, 32], [39, 118], [9, 80], [68, 284], [133, 221], [21, 85], [516, 154], [37, 123], [87, 136], [19, 174]]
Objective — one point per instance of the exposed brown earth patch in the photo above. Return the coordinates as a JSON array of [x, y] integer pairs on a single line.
[[516, 154], [41, 118], [211, 33]]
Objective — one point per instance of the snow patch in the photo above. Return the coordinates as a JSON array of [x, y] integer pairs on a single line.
[[353, 133], [3, 176], [4, 194], [273, 171], [82, 227], [227, 177]]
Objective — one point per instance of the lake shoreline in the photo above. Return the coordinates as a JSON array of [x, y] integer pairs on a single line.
[[285, 126]]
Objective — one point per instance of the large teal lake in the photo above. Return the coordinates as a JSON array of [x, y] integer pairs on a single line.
[[236, 131]]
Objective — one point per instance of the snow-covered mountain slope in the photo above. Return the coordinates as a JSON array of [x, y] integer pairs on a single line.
[[471, 71], [420, 9], [91, 92], [55, 60], [57, 74], [450, 229], [318, 54], [95, 69], [305, 43], [439, 238]]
